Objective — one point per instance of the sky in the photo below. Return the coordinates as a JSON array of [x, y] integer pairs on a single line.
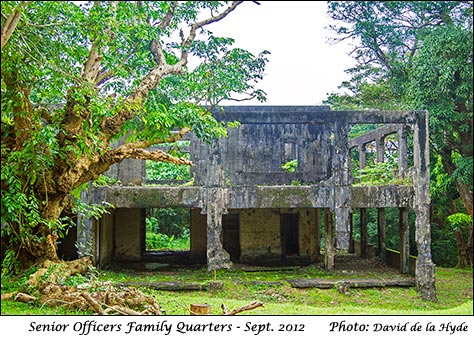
[[303, 67]]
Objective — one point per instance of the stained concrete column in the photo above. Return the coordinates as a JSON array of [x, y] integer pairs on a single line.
[[402, 151], [364, 220], [351, 233], [362, 156], [381, 228], [87, 234], [216, 200], [425, 269], [317, 242], [328, 224], [382, 234], [404, 241], [380, 148], [341, 175]]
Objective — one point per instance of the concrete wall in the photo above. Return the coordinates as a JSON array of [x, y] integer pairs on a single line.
[[260, 236], [106, 239], [308, 233], [198, 235], [129, 234]]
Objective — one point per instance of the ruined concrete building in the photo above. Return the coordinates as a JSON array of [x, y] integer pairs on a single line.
[[245, 208]]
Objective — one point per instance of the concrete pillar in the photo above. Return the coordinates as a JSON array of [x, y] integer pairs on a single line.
[[404, 241], [216, 200], [314, 235], [380, 148], [364, 220], [402, 151], [106, 239], [328, 224], [425, 269], [341, 174], [87, 235], [362, 156], [382, 234], [217, 257], [351, 233]]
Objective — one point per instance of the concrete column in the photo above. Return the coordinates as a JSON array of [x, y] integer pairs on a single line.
[[217, 257], [404, 241], [315, 235], [87, 236], [402, 151], [216, 200], [341, 174], [362, 156], [425, 269], [380, 147], [351, 235], [382, 234], [364, 220], [328, 223]]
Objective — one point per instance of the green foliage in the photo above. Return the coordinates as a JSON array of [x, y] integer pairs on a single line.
[[425, 62], [290, 166], [170, 171], [443, 247], [459, 220], [59, 117], [380, 174], [167, 229]]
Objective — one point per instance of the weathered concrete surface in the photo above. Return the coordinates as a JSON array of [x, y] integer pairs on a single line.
[[383, 196], [425, 269], [279, 196], [244, 171]]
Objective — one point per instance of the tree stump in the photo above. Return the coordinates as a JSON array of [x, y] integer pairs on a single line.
[[200, 309]]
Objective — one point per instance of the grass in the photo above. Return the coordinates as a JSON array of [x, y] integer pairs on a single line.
[[454, 291]]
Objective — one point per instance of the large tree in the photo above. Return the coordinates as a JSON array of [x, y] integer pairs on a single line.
[[416, 55], [77, 76]]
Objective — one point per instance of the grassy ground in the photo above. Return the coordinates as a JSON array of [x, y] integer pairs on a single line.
[[454, 291]]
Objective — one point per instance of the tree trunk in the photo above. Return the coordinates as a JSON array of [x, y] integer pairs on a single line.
[[466, 195], [464, 191]]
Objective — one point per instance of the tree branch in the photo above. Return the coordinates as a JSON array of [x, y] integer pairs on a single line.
[[121, 153], [11, 23], [192, 34]]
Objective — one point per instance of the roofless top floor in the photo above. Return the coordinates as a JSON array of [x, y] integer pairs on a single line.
[[270, 136]]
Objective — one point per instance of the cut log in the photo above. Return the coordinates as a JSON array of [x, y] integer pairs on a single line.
[[168, 286], [24, 298], [352, 283], [200, 309]]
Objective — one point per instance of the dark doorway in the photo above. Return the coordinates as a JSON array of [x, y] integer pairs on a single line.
[[231, 236], [289, 234]]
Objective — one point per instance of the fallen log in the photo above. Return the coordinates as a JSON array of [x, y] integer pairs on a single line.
[[24, 298], [353, 283], [168, 286], [248, 307], [96, 306]]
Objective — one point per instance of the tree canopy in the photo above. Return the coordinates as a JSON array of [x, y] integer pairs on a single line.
[[416, 55], [77, 76]]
